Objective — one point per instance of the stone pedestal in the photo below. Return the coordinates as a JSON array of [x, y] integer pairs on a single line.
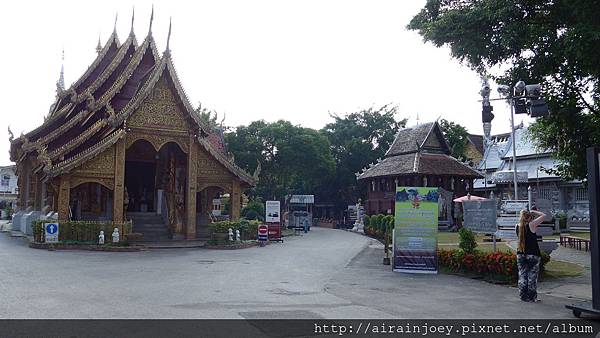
[[16, 221], [359, 227]]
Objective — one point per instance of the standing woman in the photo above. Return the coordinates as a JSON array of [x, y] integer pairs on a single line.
[[528, 254]]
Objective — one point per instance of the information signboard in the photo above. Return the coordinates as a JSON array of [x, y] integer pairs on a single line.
[[415, 230], [480, 216], [272, 211], [51, 232], [514, 206]]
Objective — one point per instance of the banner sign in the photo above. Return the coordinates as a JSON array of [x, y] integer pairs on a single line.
[[272, 211], [480, 216], [415, 230]]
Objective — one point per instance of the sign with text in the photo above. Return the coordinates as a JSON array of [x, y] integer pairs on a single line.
[[415, 230], [480, 216], [51, 232], [507, 221], [514, 206], [272, 211]]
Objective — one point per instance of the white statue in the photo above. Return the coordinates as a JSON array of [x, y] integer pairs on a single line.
[[101, 238], [230, 235], [115, 236], [359, 225], [237, 236]]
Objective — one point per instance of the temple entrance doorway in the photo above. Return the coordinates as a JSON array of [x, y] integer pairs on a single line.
[[140, 177]]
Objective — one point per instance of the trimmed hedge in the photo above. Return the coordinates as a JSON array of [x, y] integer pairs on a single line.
[[82, 231], [378, 225], [248, 229]]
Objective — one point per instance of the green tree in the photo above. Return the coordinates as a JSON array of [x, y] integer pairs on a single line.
[[293, 159], [554, 42], [358, 139], [254, 210], [457, 137]]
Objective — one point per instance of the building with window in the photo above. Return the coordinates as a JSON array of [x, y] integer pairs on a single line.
[[8, 187], [533, 164]]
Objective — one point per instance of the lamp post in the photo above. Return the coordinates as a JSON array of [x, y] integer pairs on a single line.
[[522, 99], [514, 143]]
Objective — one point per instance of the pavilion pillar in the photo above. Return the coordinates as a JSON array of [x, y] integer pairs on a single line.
[[235, 200], [119, 192], [192, 178], [64, 196]]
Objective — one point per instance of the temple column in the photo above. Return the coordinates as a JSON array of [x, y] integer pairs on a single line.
[[235, 200], [33, 192], [191, 191], [64, 196], [119, 191]]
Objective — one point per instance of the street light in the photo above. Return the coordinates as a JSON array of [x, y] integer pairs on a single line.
[[523, 99]]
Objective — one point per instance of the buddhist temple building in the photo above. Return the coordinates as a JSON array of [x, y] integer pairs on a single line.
[[419, 156], [123, 142]]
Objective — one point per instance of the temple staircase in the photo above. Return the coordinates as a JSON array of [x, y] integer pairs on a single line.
[[150, 225], [202, 222]]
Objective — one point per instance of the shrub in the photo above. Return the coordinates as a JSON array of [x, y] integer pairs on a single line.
[[381, 223], [467, 240], [255, 210], [367, 221], [248, 228]]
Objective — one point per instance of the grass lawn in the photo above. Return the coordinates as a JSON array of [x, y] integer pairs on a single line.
[[452, 237], [562, 269]]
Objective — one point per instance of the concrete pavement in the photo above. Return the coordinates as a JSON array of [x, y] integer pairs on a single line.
[[323, 274]]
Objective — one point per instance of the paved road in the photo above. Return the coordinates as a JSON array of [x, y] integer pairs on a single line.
[[324, 274]]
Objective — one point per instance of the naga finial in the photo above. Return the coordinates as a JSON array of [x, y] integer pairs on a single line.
[[43, 156], [11, 136], [90, 100], [167, 50], [110, 114]]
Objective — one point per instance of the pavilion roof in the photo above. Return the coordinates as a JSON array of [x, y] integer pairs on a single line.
[[421, 149], [420, 163]]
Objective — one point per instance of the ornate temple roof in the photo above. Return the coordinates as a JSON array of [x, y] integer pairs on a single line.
[[90, 116], [423, 150]]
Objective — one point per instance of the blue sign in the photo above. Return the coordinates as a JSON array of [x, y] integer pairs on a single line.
[[51, 228], [51, 232]]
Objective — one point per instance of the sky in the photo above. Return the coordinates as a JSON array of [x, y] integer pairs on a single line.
[[298, 60]]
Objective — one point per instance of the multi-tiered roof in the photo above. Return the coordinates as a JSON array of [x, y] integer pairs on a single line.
[[90, 116], [423, 150]]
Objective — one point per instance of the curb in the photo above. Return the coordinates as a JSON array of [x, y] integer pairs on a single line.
[[232, 247], [59, 246]]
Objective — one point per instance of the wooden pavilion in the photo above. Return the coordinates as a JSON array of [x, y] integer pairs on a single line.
[[124, 141], [419, 156]]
